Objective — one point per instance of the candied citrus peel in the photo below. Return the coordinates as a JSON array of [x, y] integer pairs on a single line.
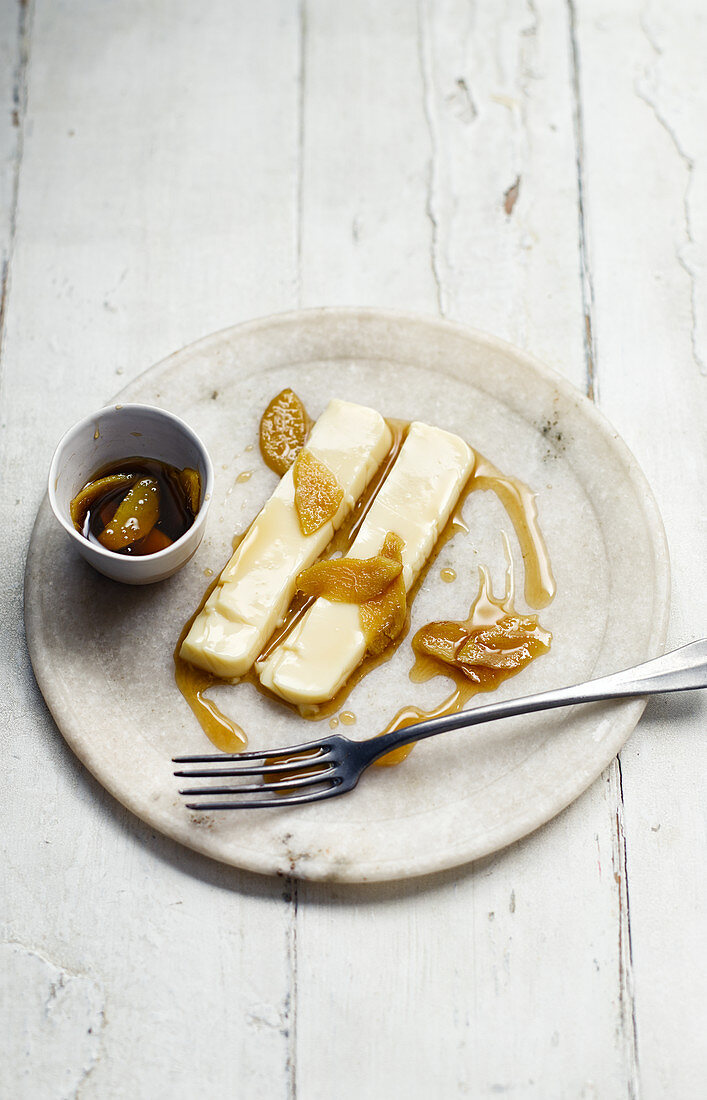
[[134, 517], [318, 495], [510, 644], [284, 427], [349, 580], [441, 641], [383, 616], [191, 486], [92, 492], [485, 652], [155, 541]]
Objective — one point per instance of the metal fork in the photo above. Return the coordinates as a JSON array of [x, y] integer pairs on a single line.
[[333, 765]]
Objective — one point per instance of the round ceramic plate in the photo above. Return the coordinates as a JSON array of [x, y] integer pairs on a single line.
[[102, 652]]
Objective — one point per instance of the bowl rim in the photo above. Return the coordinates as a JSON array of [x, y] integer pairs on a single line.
[[86, 423]]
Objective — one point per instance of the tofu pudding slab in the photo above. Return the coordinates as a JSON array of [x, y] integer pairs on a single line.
[[256, 587], [415, 502]]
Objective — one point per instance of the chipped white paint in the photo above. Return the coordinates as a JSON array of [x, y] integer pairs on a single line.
[[50, 1042], [647, 232], [535, 169]]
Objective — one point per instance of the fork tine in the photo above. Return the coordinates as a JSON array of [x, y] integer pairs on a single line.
[[268, 803], [259, 788], [292, 750], [262, 769]]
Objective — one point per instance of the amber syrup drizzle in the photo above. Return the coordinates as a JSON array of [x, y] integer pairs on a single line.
[[519, 502], [486, 611], [194, 682]]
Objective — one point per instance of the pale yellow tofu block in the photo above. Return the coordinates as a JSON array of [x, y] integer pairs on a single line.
[[256, 587], [415, 502]]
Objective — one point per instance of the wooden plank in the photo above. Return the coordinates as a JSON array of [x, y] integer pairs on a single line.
[[14, 37], [365, 236], [643, 77], [502, 197], [154, 205], [183, 169], [512, 975], [501, 978]]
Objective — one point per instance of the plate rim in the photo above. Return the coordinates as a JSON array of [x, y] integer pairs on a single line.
[[403, 868]]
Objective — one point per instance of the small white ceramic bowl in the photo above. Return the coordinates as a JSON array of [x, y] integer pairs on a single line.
[[114, 433]]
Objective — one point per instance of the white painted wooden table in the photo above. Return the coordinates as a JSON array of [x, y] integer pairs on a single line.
[[537, 170]]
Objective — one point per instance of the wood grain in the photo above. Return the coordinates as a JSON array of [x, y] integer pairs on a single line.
[[648, 249], [535, 169]]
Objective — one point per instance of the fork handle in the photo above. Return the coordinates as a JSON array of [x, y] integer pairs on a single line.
[[682, 669]]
